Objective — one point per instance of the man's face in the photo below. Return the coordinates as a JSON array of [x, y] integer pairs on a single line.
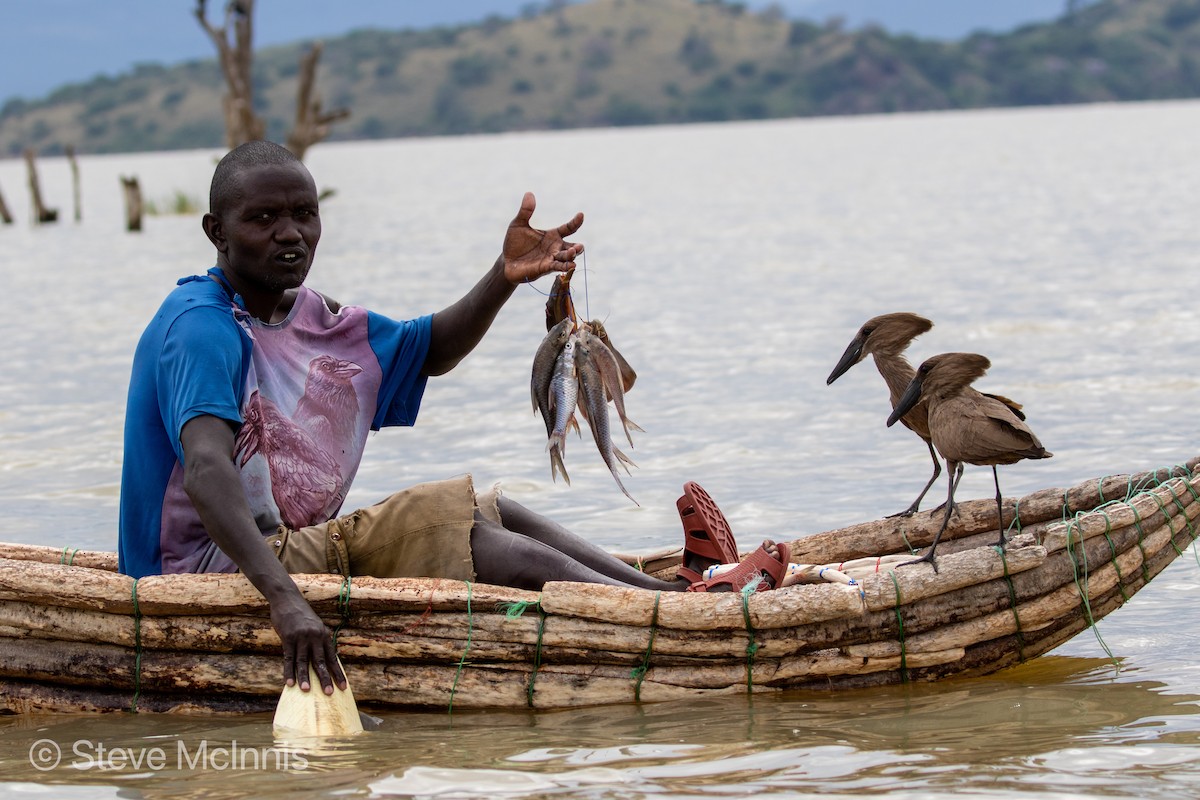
[[271, 229]]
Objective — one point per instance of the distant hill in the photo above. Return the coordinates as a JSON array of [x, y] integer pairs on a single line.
[[633, 62]]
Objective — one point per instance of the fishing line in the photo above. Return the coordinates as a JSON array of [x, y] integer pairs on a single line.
[[587, 311], [586, 298]]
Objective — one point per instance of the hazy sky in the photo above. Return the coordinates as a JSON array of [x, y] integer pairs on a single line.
[[47, 43]]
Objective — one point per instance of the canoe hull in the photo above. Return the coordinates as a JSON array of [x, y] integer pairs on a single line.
[[76, 636]]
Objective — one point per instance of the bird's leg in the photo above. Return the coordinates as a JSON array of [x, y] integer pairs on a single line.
[[949, 506], [958, 473], [937, 470], [999, 507]]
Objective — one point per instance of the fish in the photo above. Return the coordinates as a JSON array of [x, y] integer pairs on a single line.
[[594, 400], [563, 398], [610, 375], [628, 376], [559, 305], [543, 369]]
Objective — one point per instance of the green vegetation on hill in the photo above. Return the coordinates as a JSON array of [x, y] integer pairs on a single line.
[[632, 62]]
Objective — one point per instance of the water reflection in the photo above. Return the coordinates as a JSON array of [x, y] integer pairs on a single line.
[[857, 742]]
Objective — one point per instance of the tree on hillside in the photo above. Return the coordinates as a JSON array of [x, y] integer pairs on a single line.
[[234, 41]]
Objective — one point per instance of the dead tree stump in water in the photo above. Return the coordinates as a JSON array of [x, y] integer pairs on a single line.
[[5, 216], [133, 203], [41, 214], [70, 153]]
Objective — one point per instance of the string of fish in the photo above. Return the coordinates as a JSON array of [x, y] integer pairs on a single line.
[[577, 369]]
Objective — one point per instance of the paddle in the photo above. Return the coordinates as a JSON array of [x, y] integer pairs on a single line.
[[314, 713]]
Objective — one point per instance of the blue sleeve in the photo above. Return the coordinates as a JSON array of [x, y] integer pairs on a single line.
[[401, 348], [202, 370]]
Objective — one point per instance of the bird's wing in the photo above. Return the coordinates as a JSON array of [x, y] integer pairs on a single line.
[[1002, 436], [1013, 405], [979, 429]]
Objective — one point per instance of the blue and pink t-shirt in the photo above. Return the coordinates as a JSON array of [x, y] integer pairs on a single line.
[[305, 392]]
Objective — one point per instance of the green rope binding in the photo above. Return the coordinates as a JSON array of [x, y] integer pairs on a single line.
[[1112, 547], [1137, 525], [900, 625], [1167, 521], [343, 606], [1012, 604], [1178, 500], [515, 610], [752, 645], [1187, 476], [137, 649], [1190, 476], [639, 672], [1016, 520], [537, 654], [1081, 584], [1187, 483], [62, 559], [462, 661]]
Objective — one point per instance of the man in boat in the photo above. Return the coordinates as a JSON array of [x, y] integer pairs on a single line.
[[249, 406]]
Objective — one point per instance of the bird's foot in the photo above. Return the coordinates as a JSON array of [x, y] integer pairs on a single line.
[[925, 559], [942, 507], [908, 512]]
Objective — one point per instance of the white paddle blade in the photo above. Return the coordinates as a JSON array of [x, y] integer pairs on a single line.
[[314, 713]]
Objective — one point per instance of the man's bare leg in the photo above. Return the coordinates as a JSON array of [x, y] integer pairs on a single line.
[[583, 556], [506, 558], [521, 520]]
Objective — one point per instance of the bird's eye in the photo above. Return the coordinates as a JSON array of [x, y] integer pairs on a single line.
[[867, 331]]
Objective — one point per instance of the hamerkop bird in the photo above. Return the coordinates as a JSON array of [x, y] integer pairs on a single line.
[[967, 426], [885, 338]]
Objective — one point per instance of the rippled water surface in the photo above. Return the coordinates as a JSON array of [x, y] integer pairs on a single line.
[[731, 264]]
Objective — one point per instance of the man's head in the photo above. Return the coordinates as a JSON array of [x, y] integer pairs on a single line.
[[226, 188], [263, 220]]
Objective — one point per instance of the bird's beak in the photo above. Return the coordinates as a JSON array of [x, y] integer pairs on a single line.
[[853, 354], [911, 396], [246, 444]]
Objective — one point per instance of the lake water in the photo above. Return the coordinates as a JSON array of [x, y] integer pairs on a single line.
[[731, 264]]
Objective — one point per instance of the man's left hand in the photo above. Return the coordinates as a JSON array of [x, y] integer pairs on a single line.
[[530, 253]]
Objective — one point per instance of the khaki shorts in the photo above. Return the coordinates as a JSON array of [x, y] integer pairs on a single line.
[[420, 532]]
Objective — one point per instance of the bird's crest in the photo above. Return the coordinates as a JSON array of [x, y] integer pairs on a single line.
[[892, 333], [949, 372]]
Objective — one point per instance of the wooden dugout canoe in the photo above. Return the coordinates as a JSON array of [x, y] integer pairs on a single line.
[[76, 636]]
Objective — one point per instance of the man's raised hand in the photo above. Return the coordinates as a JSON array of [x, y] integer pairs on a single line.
[[530, 253]]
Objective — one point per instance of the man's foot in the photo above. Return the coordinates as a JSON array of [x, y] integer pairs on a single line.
[[707, 537], [765, 568]]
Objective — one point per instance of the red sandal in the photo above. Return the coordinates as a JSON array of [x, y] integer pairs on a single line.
[[706, 533], [753, 569]]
